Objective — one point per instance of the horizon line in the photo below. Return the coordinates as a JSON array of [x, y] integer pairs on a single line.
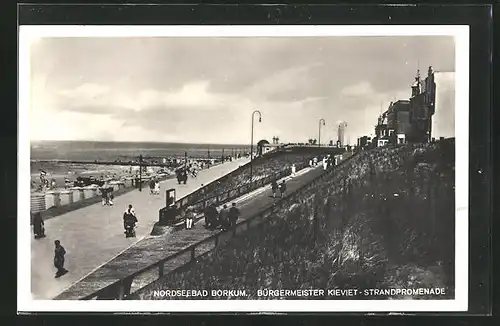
[[132, 141]]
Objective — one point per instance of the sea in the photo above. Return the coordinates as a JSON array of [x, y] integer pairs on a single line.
[[45, 154], [111, 151]]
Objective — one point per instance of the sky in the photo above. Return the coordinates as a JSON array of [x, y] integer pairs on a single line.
[[204, 90]]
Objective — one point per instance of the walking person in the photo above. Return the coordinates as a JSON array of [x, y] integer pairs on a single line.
[[59, 253], [325, 163], [294, 170], [129, 221], [157, 187], [274, 188], [212, 217], [189, 217], [110, 197], [38, 225], [234, 214], [104, 196], [224, 218], [152, 185], [206, 215], [282, 188]]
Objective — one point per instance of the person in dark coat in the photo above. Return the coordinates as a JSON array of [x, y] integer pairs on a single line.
[[212, 215], [178, 176], [206, 215], [282, 188], [234, 214], [59, 253], [224, 218], [38, 226], [184, 176], [151, 186], [104, 196], [129, 218], [274, 188]]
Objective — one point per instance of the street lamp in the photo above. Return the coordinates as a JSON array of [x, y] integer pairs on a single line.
[[140, 172], [319, 131], [251, 142]]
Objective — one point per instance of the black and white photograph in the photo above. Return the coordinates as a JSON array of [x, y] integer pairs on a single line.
[[243, 168]]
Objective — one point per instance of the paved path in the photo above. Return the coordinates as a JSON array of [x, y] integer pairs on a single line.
[[153, 249], [94, 234]]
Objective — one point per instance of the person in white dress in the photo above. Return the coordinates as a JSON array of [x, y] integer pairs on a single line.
[[157, 187], [294, 170]]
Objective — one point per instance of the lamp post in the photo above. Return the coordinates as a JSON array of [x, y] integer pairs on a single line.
[[140, 172], [319, 131], [251, 142]]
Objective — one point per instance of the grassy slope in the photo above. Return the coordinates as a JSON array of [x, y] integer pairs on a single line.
[[386, 219]]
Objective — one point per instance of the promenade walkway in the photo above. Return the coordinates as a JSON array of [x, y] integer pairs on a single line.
[[94, 234], [153, 249]]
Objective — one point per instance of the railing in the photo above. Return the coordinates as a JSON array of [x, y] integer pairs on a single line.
[[228, 195], [198, 195], [120, 289]]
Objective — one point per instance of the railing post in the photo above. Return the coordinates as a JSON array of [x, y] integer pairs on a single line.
[[161, 269], [193, 253], [124, 288]]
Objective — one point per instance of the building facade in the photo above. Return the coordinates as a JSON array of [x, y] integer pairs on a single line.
[[364, 141], [409, 120], [398, 121], [422, 108]]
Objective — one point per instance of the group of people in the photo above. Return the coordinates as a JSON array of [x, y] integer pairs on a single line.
[[224, 220], [328, 161], [182, 173], [129, 223], [154, 187], [278, 187], [107, 196], [182, 176], [45, 183], [59, 251]]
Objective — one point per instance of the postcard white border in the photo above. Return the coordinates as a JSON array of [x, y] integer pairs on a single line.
[[25, 302]]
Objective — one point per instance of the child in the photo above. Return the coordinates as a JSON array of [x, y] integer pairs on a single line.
[[189, 218]]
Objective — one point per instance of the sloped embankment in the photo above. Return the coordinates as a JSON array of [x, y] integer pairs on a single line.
[[384, 220]]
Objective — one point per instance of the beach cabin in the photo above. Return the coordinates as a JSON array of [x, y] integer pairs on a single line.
[[264, 147]]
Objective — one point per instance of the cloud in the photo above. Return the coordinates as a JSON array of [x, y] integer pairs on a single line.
[[360, 89], [87, 90], [205, 89]]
